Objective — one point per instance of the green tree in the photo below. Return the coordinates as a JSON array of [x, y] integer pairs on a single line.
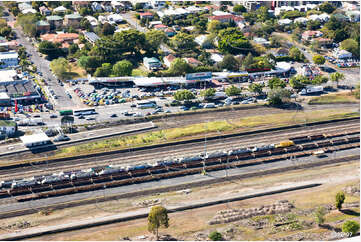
[[183, 42], [239, 9], [157, 217], [229, 62], [233, 91], [299, 82], [215, 236], [256, 88], [214, 26], [278, 96], [60, 67], [5, 31], [122, 68], [313, 25], [318, 80], [320, 215], [28, 23], [263, 14], [85, 24], [296, 54], [179, 67], [208, 93], [350, 227], [22, 53], [184, 95], [73, 48], [104, 71], [318, 59], [326, 7], [154, 38], [340, 198], [276, 82], [352, 46], [248, 61], [232, 41], [357, 91], [336, 77], [49, 48], [89, 63], [130, 40], [107, 29]]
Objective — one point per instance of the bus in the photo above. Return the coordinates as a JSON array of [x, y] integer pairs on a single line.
[[146, 104], [65, 112], [88, 111]]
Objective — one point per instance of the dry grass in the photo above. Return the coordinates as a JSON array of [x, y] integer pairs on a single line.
[[334, 98]]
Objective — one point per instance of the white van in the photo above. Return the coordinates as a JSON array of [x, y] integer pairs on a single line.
[[209, 105]]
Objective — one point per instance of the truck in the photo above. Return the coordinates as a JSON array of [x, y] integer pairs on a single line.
[[311, 90]]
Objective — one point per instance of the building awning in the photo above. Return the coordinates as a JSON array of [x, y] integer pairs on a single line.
[[34, 139]]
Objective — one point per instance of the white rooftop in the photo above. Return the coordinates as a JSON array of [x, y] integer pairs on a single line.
[[285, 21], [60, 9], [220, 13], [7, 75], [34, 138], [8, 55]]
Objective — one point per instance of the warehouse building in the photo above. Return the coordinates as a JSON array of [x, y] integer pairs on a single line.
[[35, 140], [8, 59]]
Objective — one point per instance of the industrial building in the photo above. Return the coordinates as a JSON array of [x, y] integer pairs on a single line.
[[35, 140], [14, 86], [9, 59]]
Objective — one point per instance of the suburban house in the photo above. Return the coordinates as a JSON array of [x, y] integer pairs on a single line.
[[281, 52], [168, 60], [261, 41], [170, 32], [341, 54], [193, 62], [325, 42], [55, 21], [8, 45], [92, 20], [310, 34], [44, 11], [91, 37], [160, 27], [96, 7], [107, 7], [72, 20], [64, 38], [145, 15], [117, 6], [8, 59], [60, 9], [42, 27], [80, 4], [8, 127], [152, 63], [224, 17]]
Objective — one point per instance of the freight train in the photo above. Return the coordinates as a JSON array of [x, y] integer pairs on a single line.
[[96, 175]]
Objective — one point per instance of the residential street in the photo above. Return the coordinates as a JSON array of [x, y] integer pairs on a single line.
[[63, 101]]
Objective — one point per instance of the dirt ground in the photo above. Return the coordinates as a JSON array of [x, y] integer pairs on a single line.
[[193, 224]]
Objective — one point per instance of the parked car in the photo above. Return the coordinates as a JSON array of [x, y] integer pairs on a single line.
[[114, 115], [53, 116], [61, 138]]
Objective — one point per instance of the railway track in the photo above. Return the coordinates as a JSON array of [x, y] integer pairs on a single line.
[[132, 157], [328, 143]]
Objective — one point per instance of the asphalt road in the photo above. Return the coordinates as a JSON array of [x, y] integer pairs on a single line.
[[12, 206], [42, 65]]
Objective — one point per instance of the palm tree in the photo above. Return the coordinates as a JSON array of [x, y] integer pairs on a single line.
[[336, 77]]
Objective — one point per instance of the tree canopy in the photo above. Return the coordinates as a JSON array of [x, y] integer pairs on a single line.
[[60, 67], [208, 93], [239, 9], [229, 62], [154, 39], [179, 67], [183, 42], [232, 41], [318, 59], [352, 46], [278, 96], [326, 7], [276, 82], [157, 217], [122, 68], [233, 91], [184, 95]]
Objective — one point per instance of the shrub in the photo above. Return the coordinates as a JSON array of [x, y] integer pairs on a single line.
[[215, 236], [340, 198], [350, 227]]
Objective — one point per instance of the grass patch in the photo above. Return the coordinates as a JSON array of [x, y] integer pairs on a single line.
[[334, 98], [139, 72], [338, 216], [212, 128]]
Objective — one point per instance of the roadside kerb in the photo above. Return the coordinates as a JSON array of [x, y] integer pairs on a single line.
[[139, 214], [175, 143], [176, 187], [86, 139]]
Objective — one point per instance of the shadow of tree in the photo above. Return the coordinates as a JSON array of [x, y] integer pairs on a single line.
[[350, 212], [329, 227]]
